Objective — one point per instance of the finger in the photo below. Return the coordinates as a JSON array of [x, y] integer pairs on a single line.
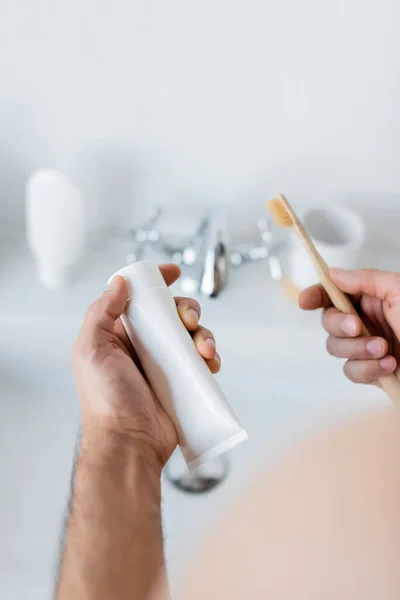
[[170, 272], [368, 371], [314, 297], [205, 342], [109, 307], [340, 325], [358, 348], [379, 284], [214, 364], [189, 311], [120, 331]]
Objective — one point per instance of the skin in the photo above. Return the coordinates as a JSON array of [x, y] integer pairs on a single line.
[[324, 523], [376, 294], [114, 546]]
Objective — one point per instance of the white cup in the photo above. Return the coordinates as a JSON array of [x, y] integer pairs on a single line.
[[338, 234]]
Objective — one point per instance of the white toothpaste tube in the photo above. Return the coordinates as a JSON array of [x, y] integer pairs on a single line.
[[179, 377]]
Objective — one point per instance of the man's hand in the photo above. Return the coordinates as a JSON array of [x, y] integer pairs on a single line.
[[113, 392], [114, 546], [376, 295]]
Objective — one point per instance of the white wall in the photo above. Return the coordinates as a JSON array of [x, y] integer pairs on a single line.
[[230, 100]]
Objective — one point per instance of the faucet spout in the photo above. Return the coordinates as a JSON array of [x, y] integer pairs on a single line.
[[216, 260]]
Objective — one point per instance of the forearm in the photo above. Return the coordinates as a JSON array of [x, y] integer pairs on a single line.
[[114, 546]]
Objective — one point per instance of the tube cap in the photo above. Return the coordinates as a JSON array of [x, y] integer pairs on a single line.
[[141, 276]]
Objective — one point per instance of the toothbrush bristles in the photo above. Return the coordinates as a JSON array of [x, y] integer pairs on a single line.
[[279, 212]]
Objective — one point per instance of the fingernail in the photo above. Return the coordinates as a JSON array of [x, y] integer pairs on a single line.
[[128, 287], [388, 363], [193, 315], [210, 342], [375, 347], [349, 326], [112, 282]]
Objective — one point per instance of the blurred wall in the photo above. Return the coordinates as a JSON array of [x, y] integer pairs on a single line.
[[226, 100]]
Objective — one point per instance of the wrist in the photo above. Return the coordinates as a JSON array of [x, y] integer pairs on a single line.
[[100, 443]]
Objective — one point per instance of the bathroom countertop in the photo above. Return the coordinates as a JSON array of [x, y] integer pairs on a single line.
[[250, 292], [276, 374]]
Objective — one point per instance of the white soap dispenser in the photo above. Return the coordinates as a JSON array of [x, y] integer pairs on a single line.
[[56, 225]]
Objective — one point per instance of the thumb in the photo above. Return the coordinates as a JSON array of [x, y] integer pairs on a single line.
[[378, 284], [109, 307]]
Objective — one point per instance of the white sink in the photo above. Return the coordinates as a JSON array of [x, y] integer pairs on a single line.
[[276, 374]]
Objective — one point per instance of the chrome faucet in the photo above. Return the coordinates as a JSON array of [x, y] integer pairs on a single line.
[[148, 234], [213, 256], [207, 258]]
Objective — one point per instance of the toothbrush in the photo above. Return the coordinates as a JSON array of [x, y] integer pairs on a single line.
[[284, 216]]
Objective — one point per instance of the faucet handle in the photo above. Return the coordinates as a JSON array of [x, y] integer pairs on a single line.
[[275, 249], [269, 250], [194, 247], [144, 234], [265, 231], [248, 253]]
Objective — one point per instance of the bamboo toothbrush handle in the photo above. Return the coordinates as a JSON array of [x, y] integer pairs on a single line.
[[389, 383]]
